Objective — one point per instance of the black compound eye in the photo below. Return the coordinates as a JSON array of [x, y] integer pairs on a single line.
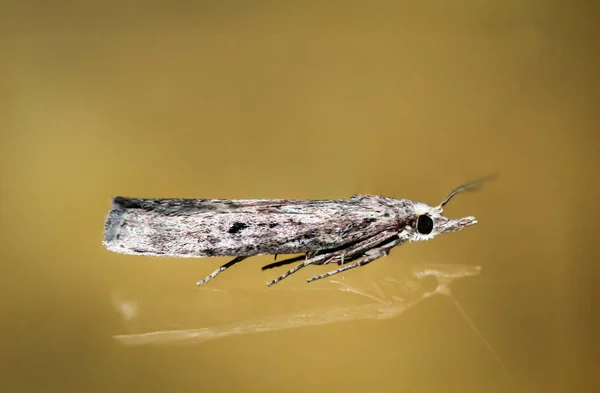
[[424, 224]]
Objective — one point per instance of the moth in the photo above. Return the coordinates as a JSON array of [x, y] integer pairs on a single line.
[[349, 232]]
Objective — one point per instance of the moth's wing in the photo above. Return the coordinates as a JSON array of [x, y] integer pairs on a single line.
[[181, 206], [214, 227]]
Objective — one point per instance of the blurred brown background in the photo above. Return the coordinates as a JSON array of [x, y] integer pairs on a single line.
[[299, 100]]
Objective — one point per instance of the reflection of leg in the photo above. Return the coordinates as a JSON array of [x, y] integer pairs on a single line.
[[220, 270], [348, 288]]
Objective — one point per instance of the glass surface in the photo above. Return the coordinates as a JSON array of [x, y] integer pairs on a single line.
[[301, 100]]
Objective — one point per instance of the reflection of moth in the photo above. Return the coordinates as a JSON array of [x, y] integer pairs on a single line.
[[419, 283], [362, 228]]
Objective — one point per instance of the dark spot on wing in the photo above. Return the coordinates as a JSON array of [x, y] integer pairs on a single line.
[[237, 227], [308, 235], [273, 225]]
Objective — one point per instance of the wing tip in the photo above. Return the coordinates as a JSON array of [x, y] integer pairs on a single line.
[[126, 203], [114, 220]]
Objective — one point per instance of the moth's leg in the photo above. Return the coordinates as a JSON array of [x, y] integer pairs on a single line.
[[359, 249], [287, 261], [283, 262], [362, 262], [220, 270], [370, 256], [309, 261], [350, 253]]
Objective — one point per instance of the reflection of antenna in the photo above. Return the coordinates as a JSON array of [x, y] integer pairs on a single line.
[[478, 332]]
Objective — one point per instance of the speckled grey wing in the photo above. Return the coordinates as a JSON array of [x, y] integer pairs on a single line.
[[214, 227]]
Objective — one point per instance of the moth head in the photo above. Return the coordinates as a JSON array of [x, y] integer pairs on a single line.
[[428, 221]]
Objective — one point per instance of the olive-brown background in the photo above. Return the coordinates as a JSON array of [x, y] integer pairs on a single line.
[[300, 100]]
